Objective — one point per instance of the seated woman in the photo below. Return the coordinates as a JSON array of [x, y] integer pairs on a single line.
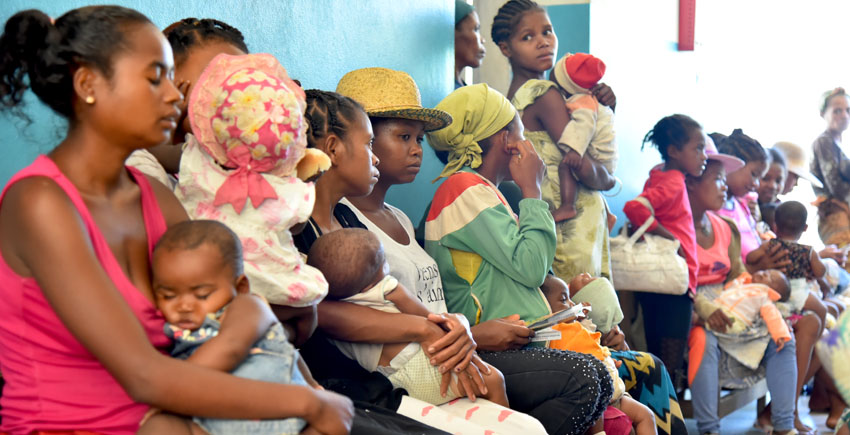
[[78, 228], [563, 402], [719, 258]]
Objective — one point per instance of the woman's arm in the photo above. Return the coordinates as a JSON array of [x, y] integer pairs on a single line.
[[246, 320], [50, 241], [834, 166], [550, 110]]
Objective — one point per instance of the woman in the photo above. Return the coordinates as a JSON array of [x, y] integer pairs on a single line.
[[77, 231], [832, 167], [397, 144], [469, 45], [194, 43], [719, 254]]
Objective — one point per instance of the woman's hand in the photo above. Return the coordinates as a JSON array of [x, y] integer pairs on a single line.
[[502, 334], [605, 95], [330, 414], [526, 168], [835, 253], [614, 339], [718, 321], [768, 256], [451, 347]]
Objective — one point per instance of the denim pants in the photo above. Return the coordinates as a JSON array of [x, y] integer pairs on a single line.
[[781, 370]]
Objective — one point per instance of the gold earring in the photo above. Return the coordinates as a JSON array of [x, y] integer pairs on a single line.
[[90, 100]]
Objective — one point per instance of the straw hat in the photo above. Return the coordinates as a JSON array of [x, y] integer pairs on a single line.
[[386, 93], [797, 161]]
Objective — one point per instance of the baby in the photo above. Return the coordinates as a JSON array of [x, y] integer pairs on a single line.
[[243, 166], [789, 223], [201, 289], [353, 262], [748, 297], [590, 130], [577, 338]]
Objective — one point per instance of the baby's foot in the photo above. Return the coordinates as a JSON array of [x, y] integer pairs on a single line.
[[612, 220], [564, 212]]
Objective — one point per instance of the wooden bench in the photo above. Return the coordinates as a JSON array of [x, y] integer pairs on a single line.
[[730, 401]]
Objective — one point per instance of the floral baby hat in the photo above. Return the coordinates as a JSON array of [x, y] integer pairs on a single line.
[[247, 116]]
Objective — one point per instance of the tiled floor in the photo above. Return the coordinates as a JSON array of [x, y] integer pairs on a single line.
[[741, 421]]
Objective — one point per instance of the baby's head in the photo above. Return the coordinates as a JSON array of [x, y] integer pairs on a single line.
[[789, 220], [197, 270], [352, 260], [578, 73], [579, 281], [557, 294], [776, 280]]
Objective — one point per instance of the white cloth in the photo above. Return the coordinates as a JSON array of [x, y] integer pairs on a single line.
[[465, 417], [144, 161], [590, 130], [368, 354], [413, 267], [274, 267]]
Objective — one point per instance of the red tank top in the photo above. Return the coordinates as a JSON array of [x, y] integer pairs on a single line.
[[52, 381], [714, 262]]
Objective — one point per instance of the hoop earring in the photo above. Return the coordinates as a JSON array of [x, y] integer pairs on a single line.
[[90, 100]]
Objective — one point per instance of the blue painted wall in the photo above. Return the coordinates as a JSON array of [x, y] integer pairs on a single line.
[[572, 25], [316, 40]]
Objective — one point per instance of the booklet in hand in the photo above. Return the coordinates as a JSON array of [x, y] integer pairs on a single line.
[[561, 316]]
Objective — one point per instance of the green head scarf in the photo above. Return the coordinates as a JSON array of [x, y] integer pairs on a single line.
[[462, 9], [478, 112]]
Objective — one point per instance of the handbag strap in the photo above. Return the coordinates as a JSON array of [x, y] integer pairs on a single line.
[[642, 229]]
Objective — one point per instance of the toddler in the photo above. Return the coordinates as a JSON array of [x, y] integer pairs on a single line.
[[590, 129], [749, 297], [789, 223], [356, 269], [214, 321], [241, 168], [577, 337]]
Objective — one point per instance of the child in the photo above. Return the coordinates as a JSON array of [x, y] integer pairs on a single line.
[[524, 33], [577, 337], [789, 223], [681, 143], [355, 266], [749, 296], [240, 169], [590, 129], [214, 321], [742, 187]]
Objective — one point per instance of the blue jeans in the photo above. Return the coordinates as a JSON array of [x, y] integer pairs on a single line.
[[781, 370]]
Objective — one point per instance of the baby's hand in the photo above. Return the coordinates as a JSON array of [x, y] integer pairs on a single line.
[[780, 343], [573, 160]]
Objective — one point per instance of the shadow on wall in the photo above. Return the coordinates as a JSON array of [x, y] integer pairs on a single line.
[[318, 41]]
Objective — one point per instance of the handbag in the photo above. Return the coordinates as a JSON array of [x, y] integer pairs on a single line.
[[650, 265]]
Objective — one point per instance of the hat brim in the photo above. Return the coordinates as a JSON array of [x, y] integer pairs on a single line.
[[434, 119], [806, 175], [730, 163]]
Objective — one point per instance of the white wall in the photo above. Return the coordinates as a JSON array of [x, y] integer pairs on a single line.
[[758, 64]]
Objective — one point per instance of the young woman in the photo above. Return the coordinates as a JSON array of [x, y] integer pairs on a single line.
[[719, 256], [76, 232]]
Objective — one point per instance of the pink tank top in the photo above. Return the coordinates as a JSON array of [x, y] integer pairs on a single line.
[[52, 381], [714, 262]]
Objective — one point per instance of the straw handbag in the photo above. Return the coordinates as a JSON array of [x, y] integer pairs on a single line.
[[650, 265]]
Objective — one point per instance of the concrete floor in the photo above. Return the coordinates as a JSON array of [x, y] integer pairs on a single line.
[[741, 422]]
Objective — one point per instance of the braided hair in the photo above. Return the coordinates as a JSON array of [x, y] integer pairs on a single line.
[[743, 147], [47, 53], [191, 32], [508, 17], [328, 113], [673, 130]]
